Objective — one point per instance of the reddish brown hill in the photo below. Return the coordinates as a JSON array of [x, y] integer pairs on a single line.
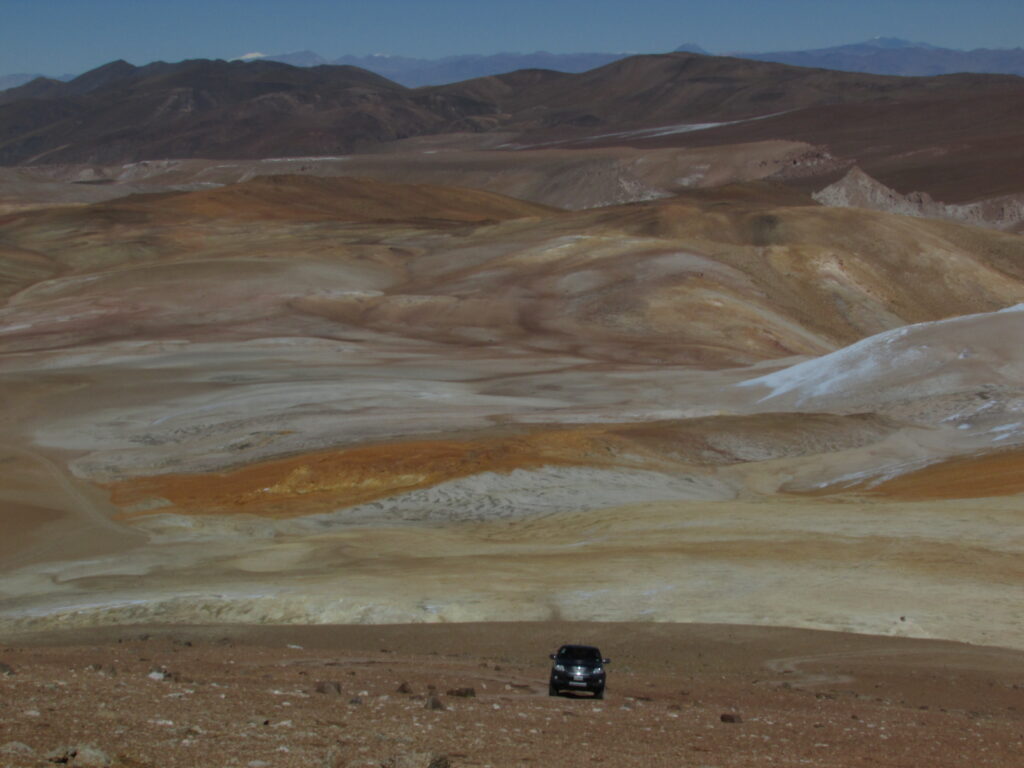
[[313, 198], [960, 127], [958, 137], [222, 109], [645, 91], [958, 145]]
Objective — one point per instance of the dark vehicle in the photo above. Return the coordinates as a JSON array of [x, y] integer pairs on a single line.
[[577, 668]]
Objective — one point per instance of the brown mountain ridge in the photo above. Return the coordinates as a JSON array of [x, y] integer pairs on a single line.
[[957, 137]]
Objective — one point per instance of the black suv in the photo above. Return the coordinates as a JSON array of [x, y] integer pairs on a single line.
[[577, 668]]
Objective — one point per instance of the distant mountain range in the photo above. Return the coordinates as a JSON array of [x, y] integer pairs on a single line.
[[881, 55], [118, 113], [892, 56], [20, 78], [414, 73]]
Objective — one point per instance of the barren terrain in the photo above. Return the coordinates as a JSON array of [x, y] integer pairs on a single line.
[[476, 695], [308, 400], [733, 409]]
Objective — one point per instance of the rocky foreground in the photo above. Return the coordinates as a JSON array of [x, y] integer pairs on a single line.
[[476, 695]]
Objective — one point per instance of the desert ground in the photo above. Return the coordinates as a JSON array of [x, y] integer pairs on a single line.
[[743, 416], [476, 695]]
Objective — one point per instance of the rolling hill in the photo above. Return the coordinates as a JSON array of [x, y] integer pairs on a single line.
[[957, 138]]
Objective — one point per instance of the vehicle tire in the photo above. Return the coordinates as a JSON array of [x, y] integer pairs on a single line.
[[552, 691], [599, 693]]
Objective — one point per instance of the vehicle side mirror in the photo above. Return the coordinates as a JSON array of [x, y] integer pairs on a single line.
[[606, 661], [552, 656]]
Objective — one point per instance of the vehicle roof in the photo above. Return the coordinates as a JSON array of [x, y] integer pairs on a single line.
[[577, 648]]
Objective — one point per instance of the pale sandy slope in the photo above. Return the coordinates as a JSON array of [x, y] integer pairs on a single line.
[[541, 543], [594, 415]]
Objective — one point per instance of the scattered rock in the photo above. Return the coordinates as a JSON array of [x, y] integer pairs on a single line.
[[160, 673], [6, 669], [81, 757], [433, 702], [464, 693], [106, 670], [417, 760], [329, 687], [731, 717], [403, 687], [355, 701], [60, 755]]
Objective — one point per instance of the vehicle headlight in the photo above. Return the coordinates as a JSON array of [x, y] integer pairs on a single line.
[[598, 670], [559, 668]]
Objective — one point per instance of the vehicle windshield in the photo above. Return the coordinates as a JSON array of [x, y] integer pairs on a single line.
[[579, 653]]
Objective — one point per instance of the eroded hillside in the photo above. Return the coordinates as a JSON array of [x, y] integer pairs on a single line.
[[308, 399]]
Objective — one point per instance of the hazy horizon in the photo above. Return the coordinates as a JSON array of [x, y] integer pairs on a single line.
[[68, 36]]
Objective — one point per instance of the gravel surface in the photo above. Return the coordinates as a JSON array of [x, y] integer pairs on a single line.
[[476, 695]]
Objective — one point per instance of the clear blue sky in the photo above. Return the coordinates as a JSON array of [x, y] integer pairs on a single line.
[[59, 36]]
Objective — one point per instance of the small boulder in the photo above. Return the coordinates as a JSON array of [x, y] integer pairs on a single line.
[[85, 756], [730, 717], [403, 687], [417, 760], [60, 755], [434, 703], [160, 674], [464, 693], [6, 669], [328, 687]]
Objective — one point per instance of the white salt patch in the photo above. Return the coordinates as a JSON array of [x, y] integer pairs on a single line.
[[872, 362]]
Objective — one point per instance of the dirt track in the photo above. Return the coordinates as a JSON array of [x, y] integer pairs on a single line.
[[227, 696]]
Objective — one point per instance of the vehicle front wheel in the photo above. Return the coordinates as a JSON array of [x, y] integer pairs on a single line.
[[599, 693], [552, 691]]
